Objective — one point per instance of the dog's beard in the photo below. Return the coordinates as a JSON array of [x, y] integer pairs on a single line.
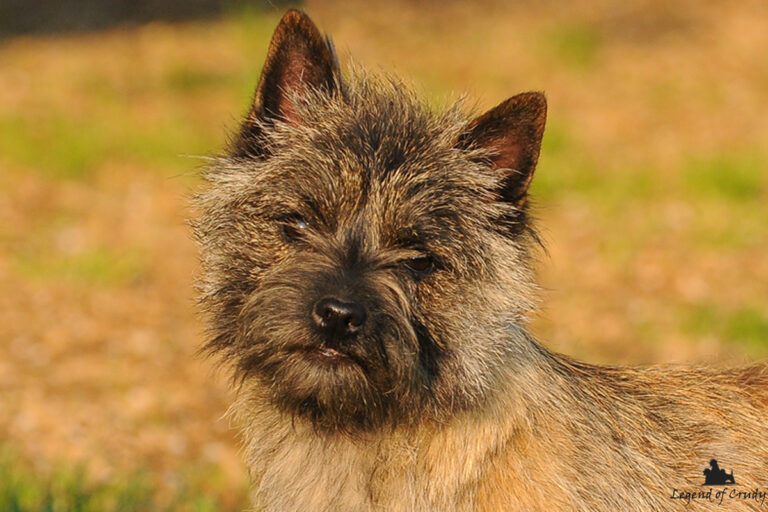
[[379, 377]]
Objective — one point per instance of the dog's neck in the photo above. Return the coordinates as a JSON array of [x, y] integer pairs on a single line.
[[296, 467]]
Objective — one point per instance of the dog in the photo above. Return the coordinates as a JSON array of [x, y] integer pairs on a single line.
[[367, 276]]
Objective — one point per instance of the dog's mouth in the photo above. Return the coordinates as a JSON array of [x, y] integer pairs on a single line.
[[323, 354], [329, 353]]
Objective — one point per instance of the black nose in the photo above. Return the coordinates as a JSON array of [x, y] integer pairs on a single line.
[[337, 318]]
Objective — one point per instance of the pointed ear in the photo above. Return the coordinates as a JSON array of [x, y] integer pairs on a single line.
[[299, 59], [512, 131]]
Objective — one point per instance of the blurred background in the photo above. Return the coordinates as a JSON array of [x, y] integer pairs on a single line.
[[652, 195]]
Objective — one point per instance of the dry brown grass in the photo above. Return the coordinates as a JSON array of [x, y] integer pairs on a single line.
[[652, 191]]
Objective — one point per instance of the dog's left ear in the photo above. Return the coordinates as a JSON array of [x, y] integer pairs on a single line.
[[512, 133], [299, 60]]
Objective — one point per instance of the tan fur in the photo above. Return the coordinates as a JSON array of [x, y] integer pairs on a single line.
[[588, 439]]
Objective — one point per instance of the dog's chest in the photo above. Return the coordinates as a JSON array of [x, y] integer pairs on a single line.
[[304, 473]]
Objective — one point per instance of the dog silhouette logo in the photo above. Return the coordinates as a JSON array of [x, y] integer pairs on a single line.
[[715, 475]]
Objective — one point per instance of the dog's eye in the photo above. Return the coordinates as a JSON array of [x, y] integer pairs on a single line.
[[420, 264], [295, 228]]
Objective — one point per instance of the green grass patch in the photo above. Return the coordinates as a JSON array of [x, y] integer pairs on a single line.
[[66, 489], [701, 320], [732, 176], [575, 44], [728, 226], [184, 79], [745, 327], [564, 167], [98, 266], [65, 147], [567, 169], [59, 146]]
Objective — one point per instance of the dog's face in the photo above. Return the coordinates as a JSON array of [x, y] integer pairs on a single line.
[[363, 256]]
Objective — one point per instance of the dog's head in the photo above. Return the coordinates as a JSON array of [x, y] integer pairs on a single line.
[[365, 259]]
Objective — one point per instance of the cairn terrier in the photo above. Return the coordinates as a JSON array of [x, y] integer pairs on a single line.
[[367, 275]]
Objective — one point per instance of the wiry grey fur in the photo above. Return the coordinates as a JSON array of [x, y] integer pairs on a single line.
[[378, 167]]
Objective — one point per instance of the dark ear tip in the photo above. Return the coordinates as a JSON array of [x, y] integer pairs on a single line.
[[534, 101], [293, 16], [294, 19]]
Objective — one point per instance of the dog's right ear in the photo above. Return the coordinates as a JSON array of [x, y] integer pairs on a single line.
[[300, 59], [512, 132]]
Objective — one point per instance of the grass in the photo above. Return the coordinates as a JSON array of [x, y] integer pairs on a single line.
[[97, 266], [568, 169], [68, 147], [729, 176], [744, 327], [53, 144], [66, 489], [576, 45]]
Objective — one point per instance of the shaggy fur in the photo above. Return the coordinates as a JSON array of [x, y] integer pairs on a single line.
[[440, 400]]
